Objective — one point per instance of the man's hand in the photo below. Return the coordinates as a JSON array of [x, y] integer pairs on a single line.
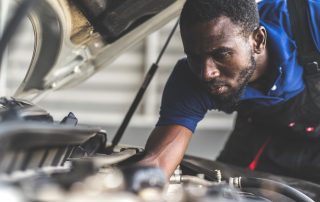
[[166, 146]]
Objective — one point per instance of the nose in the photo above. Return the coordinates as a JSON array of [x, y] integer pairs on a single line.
[[209, 70]]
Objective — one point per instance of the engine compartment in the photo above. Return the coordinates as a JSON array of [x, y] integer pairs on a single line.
[[45, 160]]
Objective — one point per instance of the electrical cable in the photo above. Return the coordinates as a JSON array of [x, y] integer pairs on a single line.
[[141, 91], [13, 24], [250, 182]]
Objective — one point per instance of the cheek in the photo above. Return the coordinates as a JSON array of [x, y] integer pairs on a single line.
[[235, 73], [243, 52], [234, 83], [240, 62], [232, 68]]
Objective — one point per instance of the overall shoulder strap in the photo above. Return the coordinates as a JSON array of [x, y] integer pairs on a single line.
[[299, 14]]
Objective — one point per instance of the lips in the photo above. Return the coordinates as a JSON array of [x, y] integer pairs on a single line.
[[218, 89]]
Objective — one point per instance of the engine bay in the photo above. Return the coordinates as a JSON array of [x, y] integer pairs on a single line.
[[45, 160]]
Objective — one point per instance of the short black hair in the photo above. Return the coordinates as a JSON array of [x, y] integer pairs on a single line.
[[241, 12]]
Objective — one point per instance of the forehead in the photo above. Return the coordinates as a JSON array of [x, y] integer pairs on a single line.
[[205, 36]]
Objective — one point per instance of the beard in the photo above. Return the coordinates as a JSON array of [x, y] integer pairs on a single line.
[[229, 100]]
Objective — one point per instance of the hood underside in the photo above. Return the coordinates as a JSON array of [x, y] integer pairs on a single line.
[[76, 38]]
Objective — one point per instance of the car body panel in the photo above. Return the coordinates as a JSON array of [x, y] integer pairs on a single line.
[[68, 51]]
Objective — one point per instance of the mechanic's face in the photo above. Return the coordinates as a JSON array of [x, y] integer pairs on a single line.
[[221, 56]]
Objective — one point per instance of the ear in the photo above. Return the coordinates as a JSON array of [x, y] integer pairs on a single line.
[[259, 39]]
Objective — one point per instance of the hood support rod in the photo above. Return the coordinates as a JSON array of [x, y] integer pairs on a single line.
[[151, 72]]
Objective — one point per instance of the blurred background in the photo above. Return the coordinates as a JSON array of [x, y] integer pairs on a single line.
[[104, 99]]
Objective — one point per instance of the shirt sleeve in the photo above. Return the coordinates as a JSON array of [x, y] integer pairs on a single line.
[[184, 100]]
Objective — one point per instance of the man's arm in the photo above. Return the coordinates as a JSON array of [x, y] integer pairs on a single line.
[[166, 146]]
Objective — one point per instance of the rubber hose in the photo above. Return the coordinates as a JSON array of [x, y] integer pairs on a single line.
[[275, 186]]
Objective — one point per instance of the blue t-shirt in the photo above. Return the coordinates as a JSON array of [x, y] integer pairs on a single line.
[[185, 101]]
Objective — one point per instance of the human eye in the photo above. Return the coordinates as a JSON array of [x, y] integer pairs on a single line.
[[221, 55]]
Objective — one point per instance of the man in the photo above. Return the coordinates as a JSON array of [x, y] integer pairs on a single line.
[[238, 62]]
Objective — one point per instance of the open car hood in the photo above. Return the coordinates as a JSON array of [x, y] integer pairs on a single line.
[[76, 38]]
